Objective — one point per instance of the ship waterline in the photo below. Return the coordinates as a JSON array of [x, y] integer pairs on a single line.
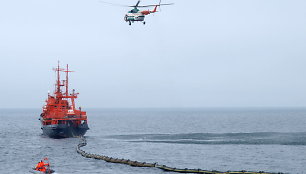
[[64, 130]]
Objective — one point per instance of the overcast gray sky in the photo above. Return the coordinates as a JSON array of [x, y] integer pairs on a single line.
[[197, 53]]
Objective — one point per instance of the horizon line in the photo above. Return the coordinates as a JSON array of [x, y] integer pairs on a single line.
[[212, 107]]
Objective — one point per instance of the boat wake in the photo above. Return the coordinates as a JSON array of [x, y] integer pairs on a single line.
[[256, 138]]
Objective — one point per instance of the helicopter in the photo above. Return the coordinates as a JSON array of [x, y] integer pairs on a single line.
[[136, 15]]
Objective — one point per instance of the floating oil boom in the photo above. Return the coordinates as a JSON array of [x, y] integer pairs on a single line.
[[154, 165], [60, 118]]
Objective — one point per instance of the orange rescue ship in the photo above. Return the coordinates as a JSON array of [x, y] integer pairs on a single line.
[[60, 118]]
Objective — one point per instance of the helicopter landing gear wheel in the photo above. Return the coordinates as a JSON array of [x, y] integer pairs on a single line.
[[130, 23], [144, 22]]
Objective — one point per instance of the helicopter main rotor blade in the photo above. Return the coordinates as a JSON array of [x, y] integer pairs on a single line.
[[137, 5], [150, 5]]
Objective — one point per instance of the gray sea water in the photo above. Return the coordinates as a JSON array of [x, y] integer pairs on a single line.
[[271, 140]]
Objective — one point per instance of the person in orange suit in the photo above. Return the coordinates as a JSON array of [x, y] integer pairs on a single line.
[[41, 166]]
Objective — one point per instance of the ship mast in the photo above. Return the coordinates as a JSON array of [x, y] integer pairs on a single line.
[[67, 77], [58, 81], [67, 80], [67, 88], [58, 92]]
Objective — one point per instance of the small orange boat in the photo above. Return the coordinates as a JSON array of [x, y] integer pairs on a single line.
[[60, 118]]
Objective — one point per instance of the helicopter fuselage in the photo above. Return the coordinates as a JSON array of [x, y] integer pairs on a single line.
[[134, 17]]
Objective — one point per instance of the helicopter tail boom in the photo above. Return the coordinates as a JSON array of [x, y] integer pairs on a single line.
[[147, 12], [155, 9]]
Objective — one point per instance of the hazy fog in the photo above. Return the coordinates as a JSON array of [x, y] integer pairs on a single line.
[[197, 53]]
